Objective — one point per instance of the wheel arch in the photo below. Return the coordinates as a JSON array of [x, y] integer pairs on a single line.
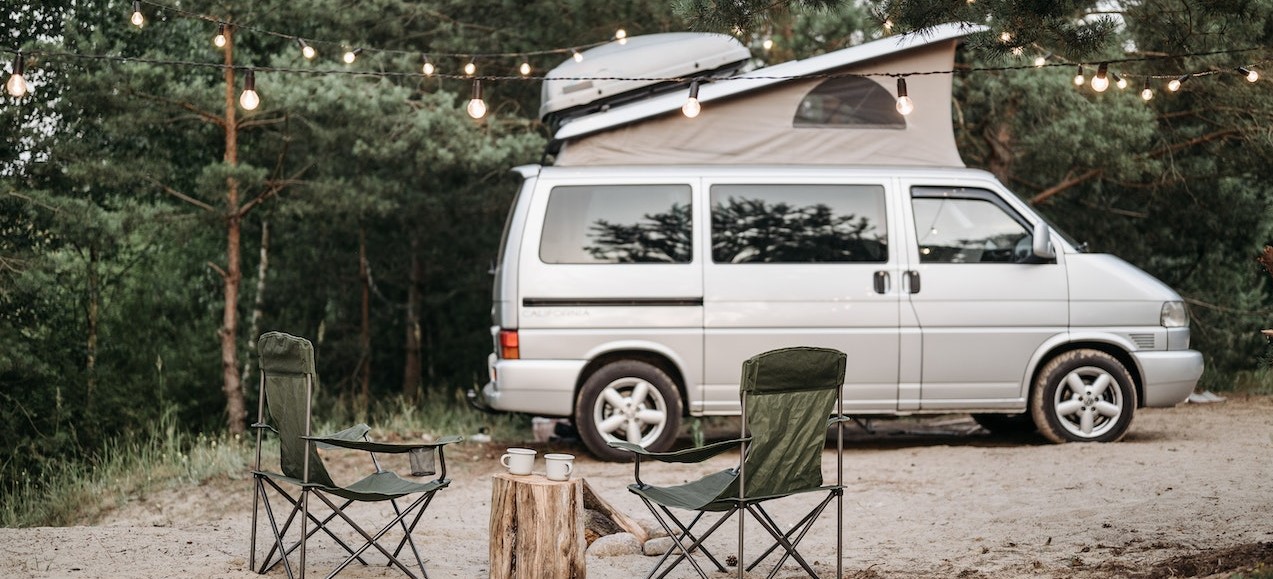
[[1119, 353], [662, 360]]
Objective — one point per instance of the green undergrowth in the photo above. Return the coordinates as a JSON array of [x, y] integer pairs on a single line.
[[73, 492]]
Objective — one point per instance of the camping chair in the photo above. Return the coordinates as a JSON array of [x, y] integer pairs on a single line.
[[287, 388], [787, 396]]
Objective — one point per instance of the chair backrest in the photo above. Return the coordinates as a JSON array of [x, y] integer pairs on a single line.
[[287, 381], [788, 394]]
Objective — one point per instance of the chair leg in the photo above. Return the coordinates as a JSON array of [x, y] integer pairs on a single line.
[[279, 545], [373, 541], [677, 540], [800, 529], [408, 529], [278, 536], [256, 501]]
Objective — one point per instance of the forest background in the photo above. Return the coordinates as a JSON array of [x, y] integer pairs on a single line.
[[150, 228]]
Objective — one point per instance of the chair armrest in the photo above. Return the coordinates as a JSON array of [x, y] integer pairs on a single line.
[[381, 447], [688, 455]]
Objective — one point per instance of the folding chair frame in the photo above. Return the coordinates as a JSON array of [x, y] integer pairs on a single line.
[[756, 510], [260, 497]]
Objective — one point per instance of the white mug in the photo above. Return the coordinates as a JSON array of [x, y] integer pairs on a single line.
[[518, 460], [559, 466]]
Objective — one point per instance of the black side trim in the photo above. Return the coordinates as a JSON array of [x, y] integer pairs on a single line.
[[584, 302]]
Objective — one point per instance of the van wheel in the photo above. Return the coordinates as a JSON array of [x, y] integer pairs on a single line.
[[1083, 396], [627, 400]]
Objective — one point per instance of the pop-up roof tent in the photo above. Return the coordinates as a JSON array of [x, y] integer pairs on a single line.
[[836, 108]]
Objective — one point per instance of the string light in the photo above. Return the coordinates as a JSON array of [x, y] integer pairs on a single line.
[[1078, 77], [524, 69], [1147, 93], [428, 69], [249, 99], [1251, 75], [1175, 83], [351, 55], [17, 85], [1100, 82], [219, 39], [476, 107], [1042, 59], [470, 68], [768, 44], [1119, 81], [575, 54], [904, 103], [692, 107], [1005, 37], [137, 19], [621, 35], [306, 50]]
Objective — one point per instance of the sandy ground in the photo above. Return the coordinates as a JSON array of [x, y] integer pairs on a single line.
[[1189, 492]]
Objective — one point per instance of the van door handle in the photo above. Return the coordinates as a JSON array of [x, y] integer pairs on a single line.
[[881, 282], [912, 281]]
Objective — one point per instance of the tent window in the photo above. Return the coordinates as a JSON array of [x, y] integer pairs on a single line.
[[849, 102]]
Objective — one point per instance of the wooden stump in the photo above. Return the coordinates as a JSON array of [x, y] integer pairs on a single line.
[[537, 528]]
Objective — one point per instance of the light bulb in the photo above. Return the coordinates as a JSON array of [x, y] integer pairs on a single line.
[[578, 56], [1040, 60], [1005, 37], [888, 25], [17, 85], [621, 35], [1120, 82], [1100, 82], [428, 69], [1147, 93], [249, 99], [1079, 78], [905, 105], [351, 55], [470, 68], [524, 68], [306, 50], [692, 107], [768, 44], [137, 19], [1175, 83], [1249, 74], [476, 107], [219, 39]]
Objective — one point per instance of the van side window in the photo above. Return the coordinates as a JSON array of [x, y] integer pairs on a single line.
[[617, 224], [798, 223], [968, 229]]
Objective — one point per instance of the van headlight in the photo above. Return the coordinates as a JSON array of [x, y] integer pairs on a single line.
[[1174, 315]]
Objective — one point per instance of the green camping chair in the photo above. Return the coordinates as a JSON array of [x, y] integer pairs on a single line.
[[787, 396], [287, 388]]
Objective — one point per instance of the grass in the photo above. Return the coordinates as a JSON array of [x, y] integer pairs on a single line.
[[81, 492]]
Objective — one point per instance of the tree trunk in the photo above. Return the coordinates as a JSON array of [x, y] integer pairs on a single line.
[[92, 314], [536, 528], [235, 409], [411, 369], [258, 301], [363, 275]]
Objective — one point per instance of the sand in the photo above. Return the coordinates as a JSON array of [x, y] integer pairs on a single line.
[[932, 498]]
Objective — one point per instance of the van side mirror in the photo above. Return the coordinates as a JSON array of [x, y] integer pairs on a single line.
[[1042, 247]]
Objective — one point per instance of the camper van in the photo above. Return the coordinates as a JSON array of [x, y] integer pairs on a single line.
[[638, 271]]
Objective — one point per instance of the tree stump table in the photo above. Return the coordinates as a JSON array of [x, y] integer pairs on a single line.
[[537, 528]]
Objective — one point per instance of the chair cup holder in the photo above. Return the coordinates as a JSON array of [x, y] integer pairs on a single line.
[[422, 462]]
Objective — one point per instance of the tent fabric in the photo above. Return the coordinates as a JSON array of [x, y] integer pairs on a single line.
[[766, 126]]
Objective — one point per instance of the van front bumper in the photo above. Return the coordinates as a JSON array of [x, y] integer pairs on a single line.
[[539, 387], [1168, 377]]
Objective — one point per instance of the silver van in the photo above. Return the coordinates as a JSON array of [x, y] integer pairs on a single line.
[[627, 297]]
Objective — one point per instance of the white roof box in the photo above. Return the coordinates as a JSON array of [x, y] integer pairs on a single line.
[[594, 82]]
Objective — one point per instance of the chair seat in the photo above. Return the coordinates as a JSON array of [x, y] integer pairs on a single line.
[[381, 486], [702, 494]]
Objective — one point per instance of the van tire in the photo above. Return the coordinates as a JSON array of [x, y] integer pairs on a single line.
[[1083, 396], [627, 400]]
